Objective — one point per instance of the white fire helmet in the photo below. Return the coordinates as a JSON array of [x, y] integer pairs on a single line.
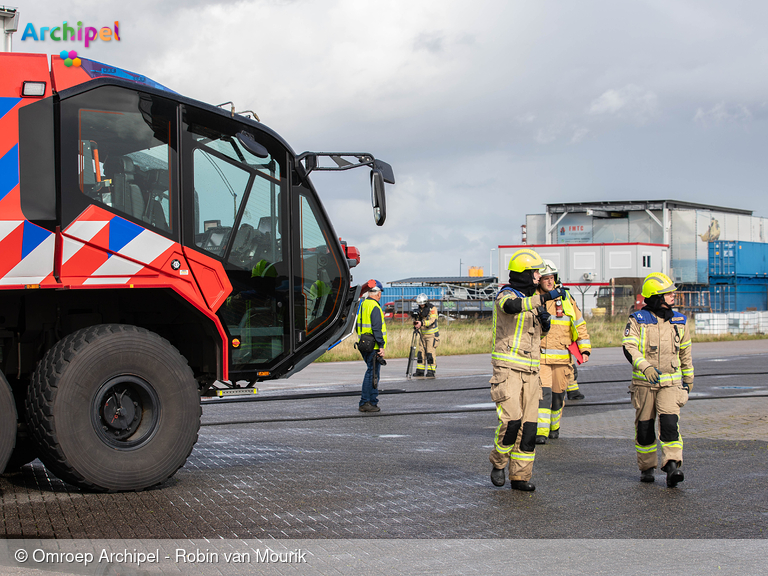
[[421, 299], [549, 268]]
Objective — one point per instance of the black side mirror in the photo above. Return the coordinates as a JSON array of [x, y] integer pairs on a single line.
[[386, 171], [378, 198], [250, 144]]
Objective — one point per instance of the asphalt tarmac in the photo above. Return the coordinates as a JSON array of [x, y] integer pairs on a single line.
[[298, 461]]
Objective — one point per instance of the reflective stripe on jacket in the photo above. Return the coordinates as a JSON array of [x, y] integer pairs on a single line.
[[429, 324], [570, 328], [371, 322], [665, 345], [516, 337]]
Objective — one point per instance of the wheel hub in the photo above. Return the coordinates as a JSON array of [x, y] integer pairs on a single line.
[[125, 412], [121, 413]]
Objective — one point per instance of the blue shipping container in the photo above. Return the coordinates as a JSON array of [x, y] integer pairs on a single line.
[[738, 297], [738, 259], [392, 293]]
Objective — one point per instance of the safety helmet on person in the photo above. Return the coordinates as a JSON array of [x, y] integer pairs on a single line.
[[421, 299], [374, 285], [657, 283], [549, 268], [525, 259]]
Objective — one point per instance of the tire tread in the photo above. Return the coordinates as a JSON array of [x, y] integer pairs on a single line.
[[43, 388]]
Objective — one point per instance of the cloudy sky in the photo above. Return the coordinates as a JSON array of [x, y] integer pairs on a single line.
[[486, 110]]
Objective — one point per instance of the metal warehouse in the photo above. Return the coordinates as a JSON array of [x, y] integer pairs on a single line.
[[592, 242]]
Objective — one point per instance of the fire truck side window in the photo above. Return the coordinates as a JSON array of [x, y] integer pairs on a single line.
[[318, 288], [220, 187], [123, 152], [256, 312], [238, 217]]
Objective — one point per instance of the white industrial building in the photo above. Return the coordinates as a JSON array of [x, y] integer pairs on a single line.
[[592, 242]]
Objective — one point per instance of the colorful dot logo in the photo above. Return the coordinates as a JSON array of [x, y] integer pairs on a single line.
[[70, 58]]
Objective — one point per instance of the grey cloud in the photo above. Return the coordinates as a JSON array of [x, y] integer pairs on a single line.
[[631, 100], [431, 42], [721, 112], [626, 100]]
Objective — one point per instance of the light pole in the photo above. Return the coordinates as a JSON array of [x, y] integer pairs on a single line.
[[9, 23], [490, 264]]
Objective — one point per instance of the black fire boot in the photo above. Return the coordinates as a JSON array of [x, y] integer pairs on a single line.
[[541, 439], [575, 395], [647, 475], [497, 476], [522, 485], [674, 474], [430, 373], [419, 373], [554, 433]]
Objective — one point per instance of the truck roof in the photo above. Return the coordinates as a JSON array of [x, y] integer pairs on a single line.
[[65, 80]]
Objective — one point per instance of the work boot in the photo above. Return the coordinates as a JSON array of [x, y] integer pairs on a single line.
[[419, 373], [523, 485], [368, 407], [554, 433], [430, 373], [674, 474], [541, 439], [647, 475], [575, 395], [497, 476]]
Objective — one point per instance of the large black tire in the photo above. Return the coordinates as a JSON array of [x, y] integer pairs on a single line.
[[113, 408], [8, 422]]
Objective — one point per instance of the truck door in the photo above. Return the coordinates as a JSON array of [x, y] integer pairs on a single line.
[[321, 276], [235, 210]]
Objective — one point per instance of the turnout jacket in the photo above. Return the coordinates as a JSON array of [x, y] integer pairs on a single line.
[[429, 320], [666, 345], [570, 328], [516, 336]]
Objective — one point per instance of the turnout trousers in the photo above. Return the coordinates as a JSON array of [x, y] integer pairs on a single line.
[[573, 385], [664, 402], [426, 360], [516, 395], [554, 380]]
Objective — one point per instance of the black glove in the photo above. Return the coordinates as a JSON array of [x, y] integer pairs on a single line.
[[554, 294], [544, 318]]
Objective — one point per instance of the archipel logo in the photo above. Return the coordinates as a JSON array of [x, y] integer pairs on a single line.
[[64, 33], [70, 58]]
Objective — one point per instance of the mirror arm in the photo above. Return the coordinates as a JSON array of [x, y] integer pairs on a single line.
[[311, 161]]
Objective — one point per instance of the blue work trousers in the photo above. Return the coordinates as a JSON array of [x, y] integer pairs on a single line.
[[370, 394]]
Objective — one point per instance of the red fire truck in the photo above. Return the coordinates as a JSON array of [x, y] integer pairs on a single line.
[[153, 250]]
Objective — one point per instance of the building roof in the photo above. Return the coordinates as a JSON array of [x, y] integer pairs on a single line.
[[632, 205], [438, 280]]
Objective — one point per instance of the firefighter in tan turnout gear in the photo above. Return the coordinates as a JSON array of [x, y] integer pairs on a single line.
[[567, 326], [519, 321], [658, 344], [426, 322]]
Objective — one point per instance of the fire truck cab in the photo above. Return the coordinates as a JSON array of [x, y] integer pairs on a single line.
[[153, 249]]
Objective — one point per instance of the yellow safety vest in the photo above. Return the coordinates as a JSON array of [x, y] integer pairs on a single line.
[[571, 313], [364, 320]]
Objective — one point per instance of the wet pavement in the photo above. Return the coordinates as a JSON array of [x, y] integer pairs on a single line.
[[299, 461]]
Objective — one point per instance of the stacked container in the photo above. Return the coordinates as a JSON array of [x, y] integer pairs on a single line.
[[738, 276]]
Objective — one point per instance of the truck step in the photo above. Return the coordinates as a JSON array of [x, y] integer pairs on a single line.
[[237, 392]]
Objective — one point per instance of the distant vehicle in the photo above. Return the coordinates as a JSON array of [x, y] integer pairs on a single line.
[[399, 309], [627, 296], [453, 309]]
